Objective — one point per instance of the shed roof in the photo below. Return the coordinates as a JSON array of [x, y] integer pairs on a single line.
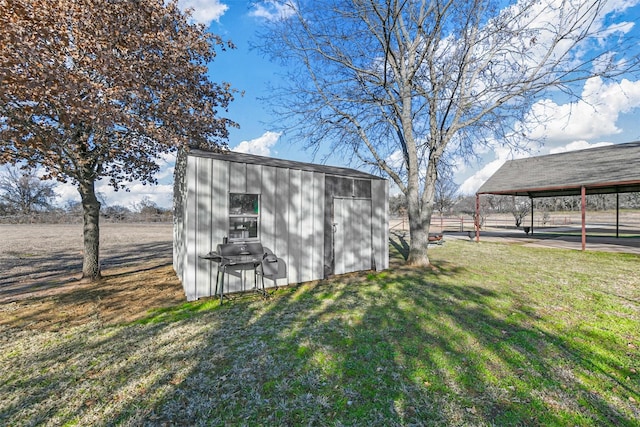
[[601, 170], [232, 156]]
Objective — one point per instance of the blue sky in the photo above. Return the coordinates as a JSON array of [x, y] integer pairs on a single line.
[[609, 113]]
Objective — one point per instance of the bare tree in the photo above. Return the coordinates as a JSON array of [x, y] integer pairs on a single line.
[[446, 191], [100, 90], [398, 205], [398, 84], [24, 192], [519, 208]]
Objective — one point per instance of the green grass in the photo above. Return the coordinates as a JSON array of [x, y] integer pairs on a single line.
[[497, 335]]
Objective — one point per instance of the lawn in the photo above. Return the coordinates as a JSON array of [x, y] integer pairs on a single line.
[[494, 335]]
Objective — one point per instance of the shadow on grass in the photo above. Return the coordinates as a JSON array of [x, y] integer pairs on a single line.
[[39, 272], [408, 348], [399, 347], [399, 244]]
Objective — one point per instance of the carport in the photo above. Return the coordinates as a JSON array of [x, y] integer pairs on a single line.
[[602, 170]]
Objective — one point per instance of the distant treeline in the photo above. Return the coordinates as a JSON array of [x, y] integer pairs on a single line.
[[145, 211], [508, 204]]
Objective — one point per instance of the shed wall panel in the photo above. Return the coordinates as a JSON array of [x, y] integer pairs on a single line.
[[254, 178], [282, 217], [268, 207], [306, 239], [363, 237], [190, 259], [237, 177], [318, 226], [294, 223], [204, 201], [220, 202], [380, 223]]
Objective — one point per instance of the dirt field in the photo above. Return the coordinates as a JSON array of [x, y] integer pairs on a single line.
[[40, 266]]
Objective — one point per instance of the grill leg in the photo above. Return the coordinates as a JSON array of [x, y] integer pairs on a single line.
[[217, 280], [224, 270], [261, 272]]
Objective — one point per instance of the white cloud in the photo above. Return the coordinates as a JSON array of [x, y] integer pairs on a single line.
[[273, 10], [593, 116], [66, 193], [167, 163], [577, 145], [474, 182], [471, 184], [260, 146], [395, 160], [161, 194], [502, 154], [204, 11]]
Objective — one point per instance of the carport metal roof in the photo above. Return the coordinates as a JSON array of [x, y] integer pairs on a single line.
[[602, 170]]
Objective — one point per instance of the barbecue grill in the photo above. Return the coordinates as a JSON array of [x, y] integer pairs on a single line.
[[237, 258]]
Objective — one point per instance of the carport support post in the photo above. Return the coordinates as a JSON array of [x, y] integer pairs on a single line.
[[617, 215], [476, 221], [583, 197], [531, 199]]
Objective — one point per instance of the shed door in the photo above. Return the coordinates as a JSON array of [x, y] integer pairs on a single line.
[[352, 235]]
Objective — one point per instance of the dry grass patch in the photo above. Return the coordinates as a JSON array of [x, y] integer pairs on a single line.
[[123, 295]]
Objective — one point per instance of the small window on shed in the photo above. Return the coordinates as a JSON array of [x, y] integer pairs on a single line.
[[362, 188], [244, 216]]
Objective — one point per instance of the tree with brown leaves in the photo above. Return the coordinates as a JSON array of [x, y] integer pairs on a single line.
[[99, 89]]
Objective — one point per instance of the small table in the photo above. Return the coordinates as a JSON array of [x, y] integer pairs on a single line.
[[241, 261]]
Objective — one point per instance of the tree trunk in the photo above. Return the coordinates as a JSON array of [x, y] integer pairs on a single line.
[[420, 211], [419, 236], [91, 230]]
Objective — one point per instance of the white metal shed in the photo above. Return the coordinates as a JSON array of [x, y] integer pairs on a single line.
[[319, 220]]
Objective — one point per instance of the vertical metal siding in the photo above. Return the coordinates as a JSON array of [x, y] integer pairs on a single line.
[[219, 212], [380, 223], [318, 226], [254, 176], [364, 238], [306, 240], [190, 259], [281, 247], [268, 207], [203, 226], [220, 202], [294, 225], [237, 177]]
